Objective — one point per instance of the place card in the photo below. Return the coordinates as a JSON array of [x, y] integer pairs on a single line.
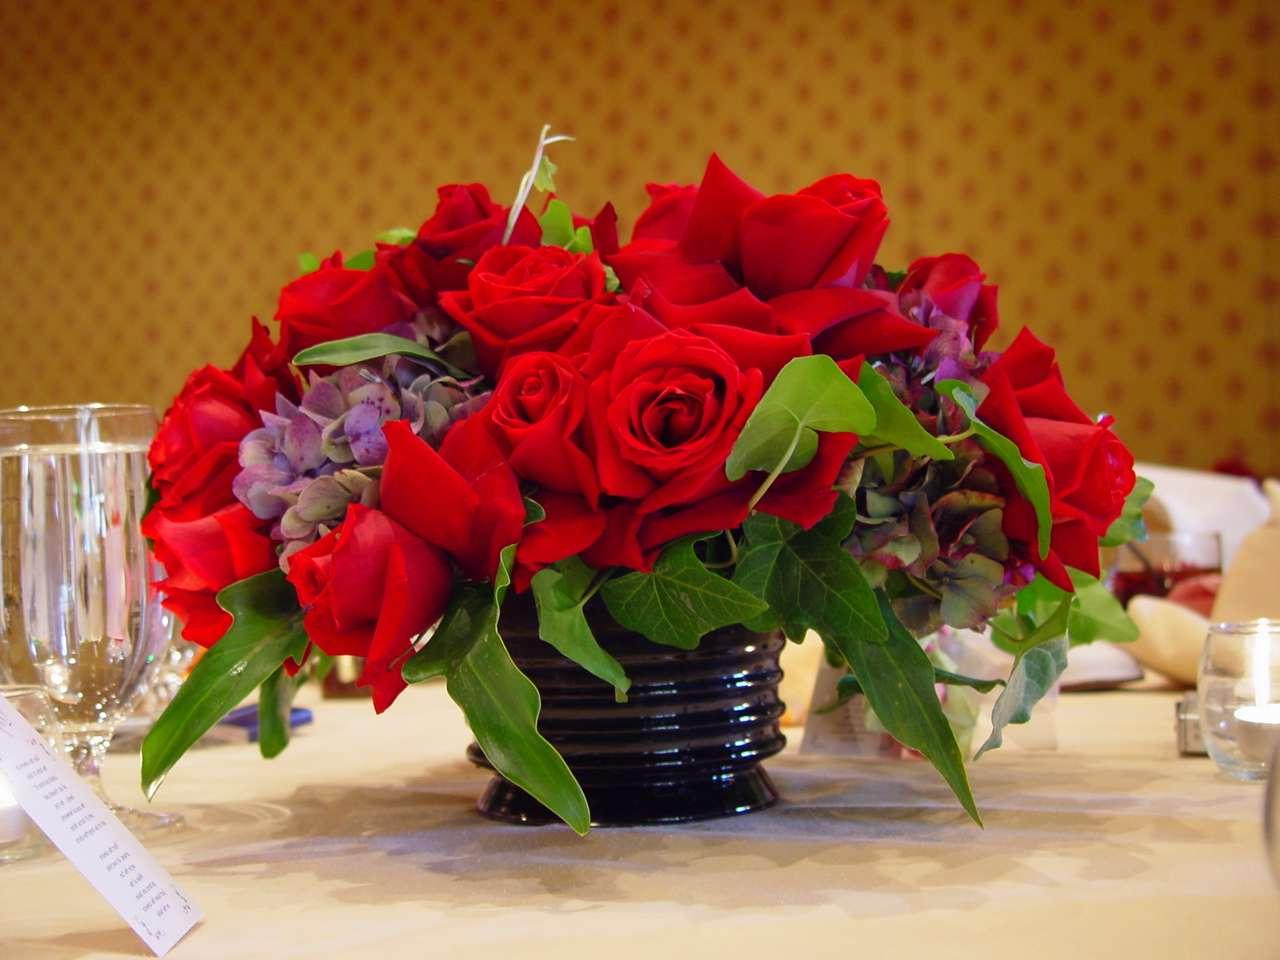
[[95, 841]]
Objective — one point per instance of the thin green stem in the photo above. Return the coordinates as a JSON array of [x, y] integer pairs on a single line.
[[594, 587], [733, 554], [957, 437], [775, 473]]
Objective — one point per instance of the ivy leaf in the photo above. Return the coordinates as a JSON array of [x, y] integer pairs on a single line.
[[808, 395], [266, 629], [808, 579], [1034, 674], [1130, 526], [898, 679], [1096, 614], [308, 262], [1029, 477], [557, 225], [895, 423], [500, 703], [680, 601], [558, 230], [402, 236], [364, 260], [559, 593], [275, 703], [369, 346]]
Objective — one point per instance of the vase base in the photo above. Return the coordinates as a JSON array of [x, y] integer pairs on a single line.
[[630, 806]]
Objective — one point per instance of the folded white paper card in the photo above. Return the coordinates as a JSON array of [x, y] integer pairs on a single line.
[[91, 837]]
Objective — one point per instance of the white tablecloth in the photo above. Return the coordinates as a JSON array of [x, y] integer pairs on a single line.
[[361, 841]]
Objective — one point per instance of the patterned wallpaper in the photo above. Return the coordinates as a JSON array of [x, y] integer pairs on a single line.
[[1112, 165]]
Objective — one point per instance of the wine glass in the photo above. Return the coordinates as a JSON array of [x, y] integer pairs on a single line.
[[78, 615]]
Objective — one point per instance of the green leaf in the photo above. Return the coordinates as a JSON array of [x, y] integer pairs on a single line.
[[847, 687], [500, 703], [960, 680], [560, 595], [895, 423], [275, 702], [364, 260], [558, 230], [544, 177], [898, 679], [680, 601], [895, 278], [582, 242], [1034, 674], [1029, 477], [399, 235], [533, 511], [266, 628], [611, 282], [1096, 614], [1130, 526], [807, 578], [308, 262], [809, 394], [368, 346]]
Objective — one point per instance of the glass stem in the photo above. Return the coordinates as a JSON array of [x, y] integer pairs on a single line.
[[87, 753]]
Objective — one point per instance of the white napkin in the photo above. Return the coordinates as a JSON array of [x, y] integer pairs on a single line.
[[1196, 501]]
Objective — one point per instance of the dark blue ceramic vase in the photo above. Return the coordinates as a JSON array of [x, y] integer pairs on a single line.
[[687, 744]]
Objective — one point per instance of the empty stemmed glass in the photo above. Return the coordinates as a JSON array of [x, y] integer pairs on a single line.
[[78, 615]]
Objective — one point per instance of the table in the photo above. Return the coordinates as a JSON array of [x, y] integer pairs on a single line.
[[361, 841]]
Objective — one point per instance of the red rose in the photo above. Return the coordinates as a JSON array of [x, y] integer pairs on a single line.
[[801, 259], [537, 411], [1088, 469], [667, 215], [825, 235], [664, 411], [369, 587], [464, 499], [201, 555], [334, 302], [194, 456], [850, 322], [465, 225], [954, 282], [603, 228], [520, 299]]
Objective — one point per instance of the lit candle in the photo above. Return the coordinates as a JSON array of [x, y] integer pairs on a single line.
[[1258, 723], [13, 822], [1258, 730]]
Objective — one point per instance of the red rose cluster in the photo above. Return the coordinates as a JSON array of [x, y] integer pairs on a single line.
[[621, 379]]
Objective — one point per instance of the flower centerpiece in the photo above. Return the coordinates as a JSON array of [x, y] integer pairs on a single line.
[[735, 427]]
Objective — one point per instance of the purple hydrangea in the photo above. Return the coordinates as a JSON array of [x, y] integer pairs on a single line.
[[309, 460]]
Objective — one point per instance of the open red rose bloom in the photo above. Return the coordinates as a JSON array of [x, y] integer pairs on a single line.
[[503, 394]]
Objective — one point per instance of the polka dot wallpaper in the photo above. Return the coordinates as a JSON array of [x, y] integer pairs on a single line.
[[1112, 165]]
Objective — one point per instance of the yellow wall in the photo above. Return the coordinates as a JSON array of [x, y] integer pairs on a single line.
[[1113, 166]]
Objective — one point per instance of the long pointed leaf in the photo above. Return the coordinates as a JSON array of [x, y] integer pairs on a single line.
[[897, 678], [369, 346], [266, 629]]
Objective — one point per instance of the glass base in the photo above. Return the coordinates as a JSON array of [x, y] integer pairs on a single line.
[[147, 822], [32, 846]]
